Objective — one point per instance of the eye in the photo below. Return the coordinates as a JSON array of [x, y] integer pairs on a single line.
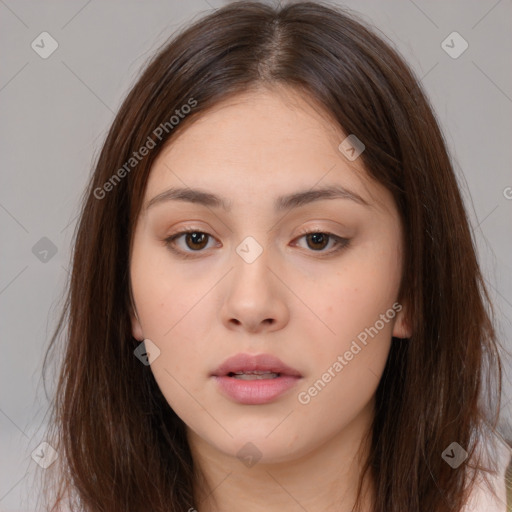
[[318, 240], [195, 240]]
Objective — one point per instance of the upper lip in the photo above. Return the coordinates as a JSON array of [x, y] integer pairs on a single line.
[[259, 362]]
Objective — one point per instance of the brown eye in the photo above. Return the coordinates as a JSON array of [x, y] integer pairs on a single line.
[[196, 240], [317, 241], [187, 242]]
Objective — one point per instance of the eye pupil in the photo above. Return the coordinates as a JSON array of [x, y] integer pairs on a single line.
[[197, 238], [317, 238]]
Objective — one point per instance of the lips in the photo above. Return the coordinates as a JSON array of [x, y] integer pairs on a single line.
[[261, 364], [255, 379]]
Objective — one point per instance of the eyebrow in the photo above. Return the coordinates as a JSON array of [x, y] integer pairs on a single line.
[[282, 203]]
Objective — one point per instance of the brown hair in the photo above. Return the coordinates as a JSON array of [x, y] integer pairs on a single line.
[[121, 446]]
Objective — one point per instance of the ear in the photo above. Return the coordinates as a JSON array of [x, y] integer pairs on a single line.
[[402, 326], [136, 327], [134, 318]]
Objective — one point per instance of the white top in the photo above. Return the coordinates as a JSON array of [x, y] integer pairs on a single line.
[[481, 499]]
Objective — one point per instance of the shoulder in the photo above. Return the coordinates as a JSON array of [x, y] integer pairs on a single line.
[[482, 499]]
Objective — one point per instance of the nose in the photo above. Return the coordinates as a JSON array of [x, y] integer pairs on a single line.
[[255, 296]]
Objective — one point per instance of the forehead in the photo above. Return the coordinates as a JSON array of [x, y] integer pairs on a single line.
[[258, 122], [260, 143]]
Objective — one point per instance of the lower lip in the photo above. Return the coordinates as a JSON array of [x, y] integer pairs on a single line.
[[257, 391]]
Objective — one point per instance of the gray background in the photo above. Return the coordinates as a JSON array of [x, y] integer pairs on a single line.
[[55, 113]]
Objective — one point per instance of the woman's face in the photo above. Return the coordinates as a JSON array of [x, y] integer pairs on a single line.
[[249, 281]]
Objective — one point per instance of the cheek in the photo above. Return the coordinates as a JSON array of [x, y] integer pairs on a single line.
[[355, 305], [348, 359], [168, 305], [168, 309], [163, 295], [352, 296]]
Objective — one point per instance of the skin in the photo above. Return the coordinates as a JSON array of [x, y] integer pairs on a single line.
[[291, 301]]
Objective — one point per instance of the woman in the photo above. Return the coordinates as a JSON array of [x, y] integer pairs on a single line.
[[275, 299]]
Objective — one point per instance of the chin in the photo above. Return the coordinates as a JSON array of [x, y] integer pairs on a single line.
[[255, 445]]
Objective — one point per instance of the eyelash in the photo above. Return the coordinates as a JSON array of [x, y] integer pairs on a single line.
[[341, 243]]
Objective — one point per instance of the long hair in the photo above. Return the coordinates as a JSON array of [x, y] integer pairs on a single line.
[[122, 448]]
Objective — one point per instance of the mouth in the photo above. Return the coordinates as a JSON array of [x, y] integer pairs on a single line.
[[255, 379], [253, 375], [251, 367]]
